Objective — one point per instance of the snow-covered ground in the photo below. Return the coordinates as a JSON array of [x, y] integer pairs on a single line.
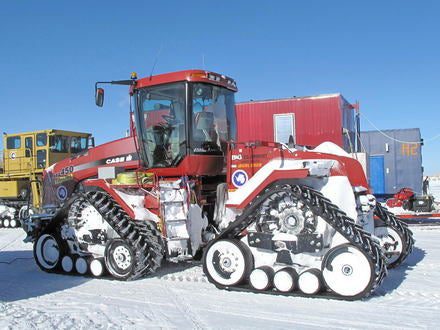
[[180, 297]]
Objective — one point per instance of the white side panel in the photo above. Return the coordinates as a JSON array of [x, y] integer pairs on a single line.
[[339, 190]]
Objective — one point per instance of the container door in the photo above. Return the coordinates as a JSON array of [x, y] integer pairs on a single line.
[[377, 174]]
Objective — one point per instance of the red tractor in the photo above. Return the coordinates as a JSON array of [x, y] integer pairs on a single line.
[[268, 217]]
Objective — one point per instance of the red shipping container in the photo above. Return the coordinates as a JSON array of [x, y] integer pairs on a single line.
[[311, 120]]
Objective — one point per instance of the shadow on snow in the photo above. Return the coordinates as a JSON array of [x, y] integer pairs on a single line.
[[20, 278], [398, 275]]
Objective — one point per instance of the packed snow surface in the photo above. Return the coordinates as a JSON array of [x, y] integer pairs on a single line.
[[179, 296]]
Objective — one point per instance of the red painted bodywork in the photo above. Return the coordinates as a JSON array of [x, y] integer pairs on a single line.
[[252, 158], [317, 119], [84, 166]]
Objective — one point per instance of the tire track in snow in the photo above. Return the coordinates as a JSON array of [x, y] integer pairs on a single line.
[[184, 307], [14, 316], [19, 236], [412, 297], [156, 309]]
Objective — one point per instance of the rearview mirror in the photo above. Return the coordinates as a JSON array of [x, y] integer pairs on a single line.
[[91, 142], [99, 96]]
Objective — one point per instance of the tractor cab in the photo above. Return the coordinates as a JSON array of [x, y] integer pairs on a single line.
[[183, 120]]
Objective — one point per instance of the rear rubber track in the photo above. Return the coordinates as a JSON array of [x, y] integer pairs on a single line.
[[398, 225], [335, 217]]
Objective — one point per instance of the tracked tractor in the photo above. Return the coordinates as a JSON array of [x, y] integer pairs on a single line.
[[25, 156], [267, 217]]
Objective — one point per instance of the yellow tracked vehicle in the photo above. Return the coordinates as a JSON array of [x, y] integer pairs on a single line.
[[22, 162]]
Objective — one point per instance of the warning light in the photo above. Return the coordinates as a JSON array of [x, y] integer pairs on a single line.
[[134, 75]]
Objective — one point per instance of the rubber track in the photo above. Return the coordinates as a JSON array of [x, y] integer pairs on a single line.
[[394, 222], [142, 236], [330, 213]]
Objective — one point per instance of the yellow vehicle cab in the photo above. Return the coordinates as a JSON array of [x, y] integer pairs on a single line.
[[24, 158]]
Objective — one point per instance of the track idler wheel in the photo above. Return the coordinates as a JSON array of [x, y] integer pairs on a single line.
[[285, 280], [119, 259], [47, 252], [6, 223], [227, 262], [67, 264], [13, 223], [97, 267], [347, 271], [262, 278], [309, 282], [392, 244], [81, 265]]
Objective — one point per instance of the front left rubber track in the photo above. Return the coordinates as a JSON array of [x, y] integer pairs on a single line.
[[142, 236]]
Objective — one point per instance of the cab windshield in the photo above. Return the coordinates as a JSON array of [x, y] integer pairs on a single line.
[[169, 131], [163, 123], [213, 118]]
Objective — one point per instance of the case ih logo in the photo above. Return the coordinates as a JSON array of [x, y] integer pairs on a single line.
[[239, 178], [119, 159]]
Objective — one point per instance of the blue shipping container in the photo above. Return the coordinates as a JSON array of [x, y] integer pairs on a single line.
[[395, 159]]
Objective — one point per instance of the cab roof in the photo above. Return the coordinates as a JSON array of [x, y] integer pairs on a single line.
[[51, 131], [188, 75]]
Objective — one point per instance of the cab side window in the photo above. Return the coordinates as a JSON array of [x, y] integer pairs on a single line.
[[41, 139], [13, 142], [77, 144], [59, 143]]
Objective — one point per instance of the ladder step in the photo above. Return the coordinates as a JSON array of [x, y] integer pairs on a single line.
[[177, 239]]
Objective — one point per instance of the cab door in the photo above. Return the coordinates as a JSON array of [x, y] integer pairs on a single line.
[[41, 147], [28, 161]]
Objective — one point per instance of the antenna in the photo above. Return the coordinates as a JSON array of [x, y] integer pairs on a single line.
[[203, 61], [155, 60]]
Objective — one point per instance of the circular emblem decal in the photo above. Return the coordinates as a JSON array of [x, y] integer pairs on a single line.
[[239, 178], [62, 193], [13, 155]]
